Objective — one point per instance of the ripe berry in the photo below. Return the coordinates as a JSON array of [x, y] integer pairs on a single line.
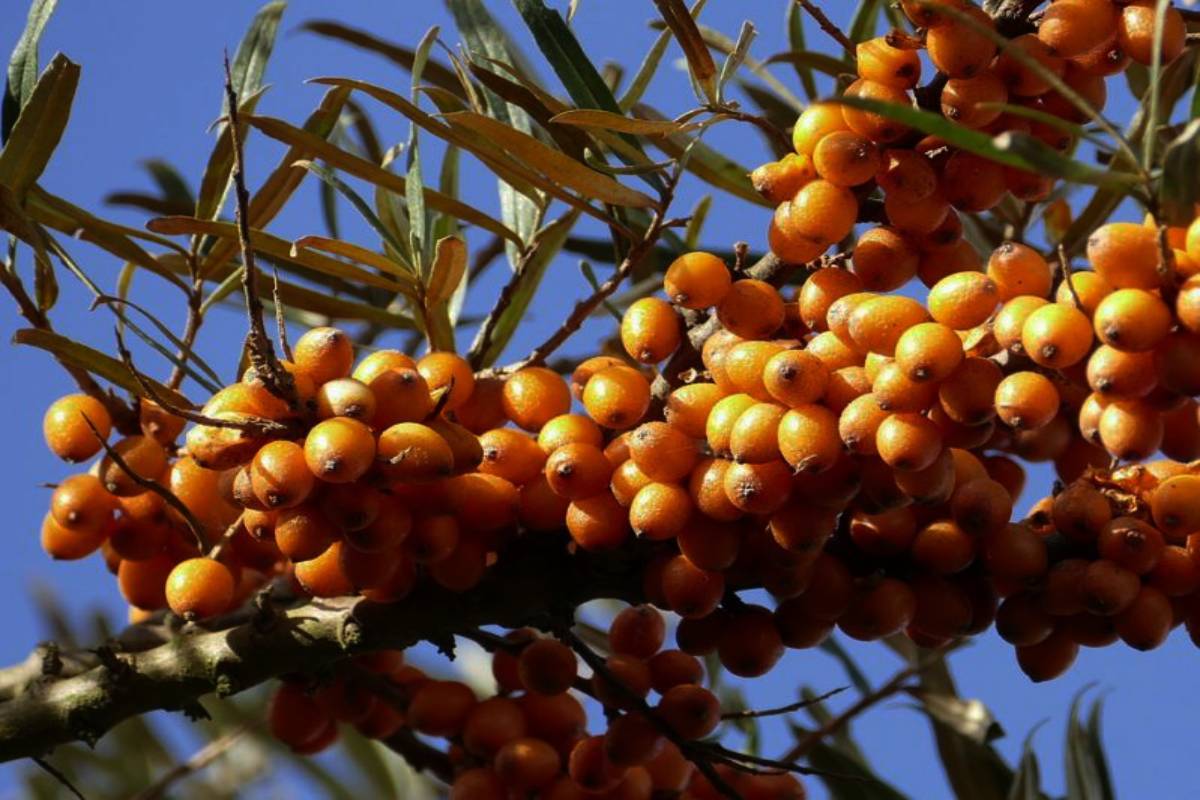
[[200, 588], [617, 397], [697, 280], [450, 372]]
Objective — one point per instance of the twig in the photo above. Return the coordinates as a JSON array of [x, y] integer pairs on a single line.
[[226, 537], [689, 749], [196, 763], [195, 317], [1064, 264], [788, 709], [280, 320], [421, 756], [485, 256], [150, 485], [780, 141], [894, 686], [258, 345], [828, 26], [54, 772], [249, 424], [487, 331]]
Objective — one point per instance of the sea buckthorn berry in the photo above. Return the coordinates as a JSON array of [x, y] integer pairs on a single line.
[[968, 394], [758, 488], [1073, 27], [750, 645], [279, 475], [958, 49], [877, 60], [721, 419], [577, 470], [546, 667], [1175, 505], [1133, 320], [881, 610], [433, 538], [637, 631], [754, 438], [859, 423], [745, 366], [80, 503], [814, 123], [1056, 335], [821, 212], [295, 718], [650, 330], [868, 124], [1026, 400], [617, 397], [200, 588], [908, 441], [156, 422], [795, 377], [412, 452], [1107, 588], [440, 708], [687, 408], [1104, 60], [540, 508], [451, 372], [1176, 574], [691, 711], [972, 183], [1187, 304], [800, 528], [981, 506], [1009, 322], [1125, 255], [1022, 80], [698, 280], [837, 318], [1015, 552], [844, 386], [1131, 430], [974, 102], [929, 351], [706, 488], [924, 13], [690, 590], [390, 527], [569, 429], [526, 764], [303, 532], [380, 362], [884, 259], [808, 438], [1146, 622], [589, 769], [846, 159], [1018, 269], [963, 300], [401, 395], [834, 351], [632, 740], [1130, 543], [1137, 27], [877, 324], [64, 544], [883, 535], [627, 481], [483, 410], [1080, 512], [822, 289], [340, 450], [142, 456], [324, 354], [512, 455], [664, 452], [789, 240], [1118, 374], [598, 522], [1085, 290], [778, 181], [345, 397]]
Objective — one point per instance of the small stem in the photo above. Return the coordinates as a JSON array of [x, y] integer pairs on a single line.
[[788, 709], [897, 684], [198, 762], [828, 26]]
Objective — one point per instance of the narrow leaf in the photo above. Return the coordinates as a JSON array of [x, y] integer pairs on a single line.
[[23, 65], [795, 33], [1086, 766], [862, 24], [691, 236], [1027, 782], [733, 61], [250, 60], [449, 267], [218, 171], [95, 362], [619, 123], [1179, 192], [39, 127], [435, 72], [700, 62]]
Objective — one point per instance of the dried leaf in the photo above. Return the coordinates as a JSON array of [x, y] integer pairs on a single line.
[[449, 267], [618, 123], [700, 62]]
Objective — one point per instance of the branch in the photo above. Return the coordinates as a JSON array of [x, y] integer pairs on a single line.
[[531, 577], [258, 344], [421, 756], [198, 762], [828, 26], [788, 709], [897, 684]]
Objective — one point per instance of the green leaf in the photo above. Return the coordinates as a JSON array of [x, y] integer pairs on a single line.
[[733, 61], [250, 60], [1178, 192], [794, 23], [14, 220], [847, 778], [435, 72], [700, 62], [555, 165], [23, 65], [356, 200], [1027, 782], [95, 362], [420, 245], [696, 220], [1150, 143], [377, 175], [646, 71], [550, 240], [39, 127], [284, 179], [810, 60], [1012, 149], [1086, 764], [862, 25], [970, 719], [171, 184]]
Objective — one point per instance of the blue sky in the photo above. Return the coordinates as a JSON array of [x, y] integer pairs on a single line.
[[151, 87]]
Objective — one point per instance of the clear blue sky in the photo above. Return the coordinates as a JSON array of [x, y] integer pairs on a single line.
[[151, 87]]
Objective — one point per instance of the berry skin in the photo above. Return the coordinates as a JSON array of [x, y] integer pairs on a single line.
[[1073, 27], [413, 452], [200, 588], [339, 450], [279, 475], [821, 212], [663, 452], [598, 522], [966, 100], [778, 181], [846, 159], [697, 280], [1009, 323], [959, 50], [972, 183], [1026, 400], [929, 351], [401, 395], [877, 324], [63, 544], [345, 397], [795, 377], [814, 123], [1125, 255], [81, 504], [650, 330], [1136, 32], [691, 711], [1018, 269], [1056, 335], [617, 397], [908, 442], [1048, 658], [535, 395], [526, 764], [906, 176], [884, 259], [1131, 430], [578, 470], [868, 124], [963, 300], [510, 454], [546, 667], [1132, 320], [808, 438], [324, 354], [449, 371], [141, 455], [893, 66]]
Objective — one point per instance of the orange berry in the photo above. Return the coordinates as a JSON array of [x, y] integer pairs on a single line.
[[1073, 27], [1023, 81], [868, 124], [974, 102], [1026, 400], [568, 429], [512, 455], [884, 259], [1056, 335], [1018, 269], [598, 522], [340, 450], [821, 212], [963, 300], [697, 280], [877, 324], [324, 354], [972, 183], [846, 159], [451, 372], [908, 441], [199, 588], [1133, 320], [958, 49], [650, 330], [617, 397], [279, 475], [815, 122], [1138, 25], [1131, 430], [577, 470], [754, 436], [412, 452], [879, 61], [929, 351], [526, 764], [687, 408], [808, 438], [821, 290], [778, 181], [1125, 255]]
